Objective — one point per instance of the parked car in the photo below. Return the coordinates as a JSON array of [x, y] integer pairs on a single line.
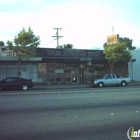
[[110, 80], [16, 83]]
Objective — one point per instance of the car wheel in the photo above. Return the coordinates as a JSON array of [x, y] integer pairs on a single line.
[[123, 84], [100, 85], [0, 88], [24, 87]]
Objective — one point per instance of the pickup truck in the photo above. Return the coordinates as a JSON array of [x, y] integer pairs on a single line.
[[110, 80]]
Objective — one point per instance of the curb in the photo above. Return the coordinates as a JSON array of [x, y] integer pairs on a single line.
[[61, 86]]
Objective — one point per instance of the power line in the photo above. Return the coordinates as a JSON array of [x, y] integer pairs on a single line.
[[49, 42]]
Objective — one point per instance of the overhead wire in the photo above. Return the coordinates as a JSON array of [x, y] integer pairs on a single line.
[[49, 42]]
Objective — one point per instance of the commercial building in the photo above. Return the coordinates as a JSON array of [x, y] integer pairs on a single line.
[[59, 66], [134, 65]]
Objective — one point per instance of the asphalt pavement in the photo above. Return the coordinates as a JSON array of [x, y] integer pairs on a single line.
[[78, 114]]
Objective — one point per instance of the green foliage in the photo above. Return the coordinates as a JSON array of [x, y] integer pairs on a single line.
[[115, 53], [118, 52], [25, 44], [60, 47], [65, 46], [124, 40], [105, 45], [1, 43], [128, 43]]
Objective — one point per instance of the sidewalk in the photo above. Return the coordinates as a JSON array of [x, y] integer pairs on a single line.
[[72, 86], [61, 86], [134, 83]]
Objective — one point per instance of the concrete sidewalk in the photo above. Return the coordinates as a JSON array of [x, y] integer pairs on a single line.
[[72, 86], [134, 83], [61, 86]]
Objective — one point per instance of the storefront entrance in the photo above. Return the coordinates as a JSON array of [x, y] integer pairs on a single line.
[[74, 75]]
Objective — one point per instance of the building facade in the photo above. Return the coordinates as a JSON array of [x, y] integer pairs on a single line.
[[68, 65], [134, 66], [59, 66]]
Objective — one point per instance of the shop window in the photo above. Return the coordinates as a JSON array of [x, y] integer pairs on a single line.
[[67, 79], [50, 79]]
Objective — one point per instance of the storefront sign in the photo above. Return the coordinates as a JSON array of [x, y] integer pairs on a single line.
[[86, 59], [5, 52], [59, 71], [75, 53], [113, 39]]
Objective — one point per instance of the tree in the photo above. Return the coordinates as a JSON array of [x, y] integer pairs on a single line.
[[105, 45], [124, 40], [115, 53], [128, 43], [25, 45], [1, 43], [65, 46], [60, 47]]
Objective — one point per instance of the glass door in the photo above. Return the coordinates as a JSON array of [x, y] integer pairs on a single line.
[[74, 75]]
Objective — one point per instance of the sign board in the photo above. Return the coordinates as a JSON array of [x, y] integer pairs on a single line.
[[86, 59], [42, 68], [113, 39], [59, 71], [5, 52], [73, 53]]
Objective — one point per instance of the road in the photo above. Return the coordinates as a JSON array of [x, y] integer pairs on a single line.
[[64, 114]]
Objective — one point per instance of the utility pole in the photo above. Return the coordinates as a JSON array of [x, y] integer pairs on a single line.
[[57, 35]]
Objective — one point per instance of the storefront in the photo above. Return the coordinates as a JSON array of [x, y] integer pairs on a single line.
[[68, 65], [9, 68], [59, 66]]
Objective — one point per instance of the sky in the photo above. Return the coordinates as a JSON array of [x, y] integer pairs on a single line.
[[85, 23]]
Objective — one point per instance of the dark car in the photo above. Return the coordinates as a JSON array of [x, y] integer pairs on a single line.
[[16, 83]]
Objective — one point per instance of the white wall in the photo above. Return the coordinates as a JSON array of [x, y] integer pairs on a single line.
[[29, 72], [134, 67]]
